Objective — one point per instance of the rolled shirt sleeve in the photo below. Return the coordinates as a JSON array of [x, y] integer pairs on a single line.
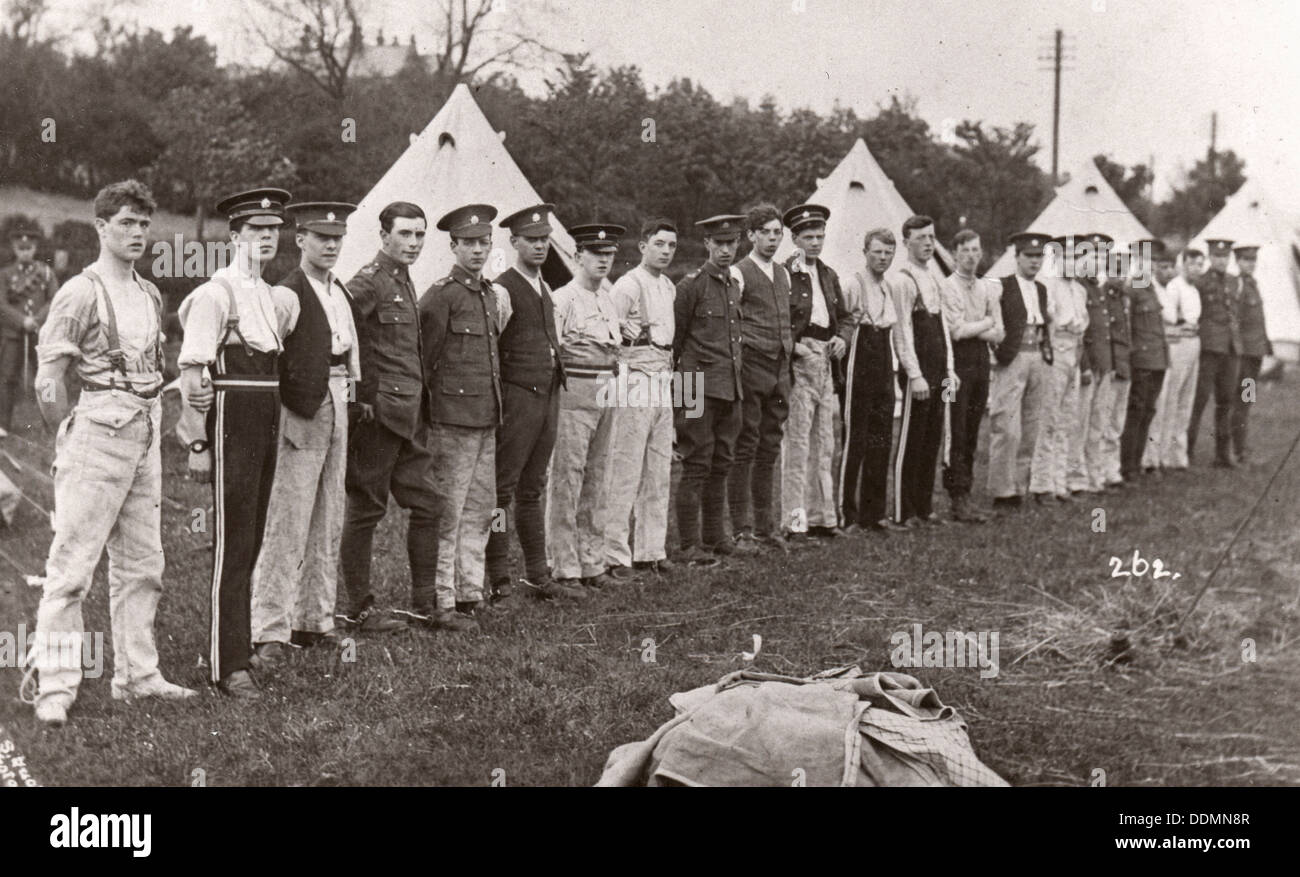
[[203, 318], [72, 312]]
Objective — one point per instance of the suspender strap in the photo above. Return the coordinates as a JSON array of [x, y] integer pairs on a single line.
[[103, 302], [232, 316], [919, 304], [116, 355]]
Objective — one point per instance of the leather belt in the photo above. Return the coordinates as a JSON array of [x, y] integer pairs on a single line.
[[339, 359], [645, 342], [576, 371], [818, 333], [91, 387]]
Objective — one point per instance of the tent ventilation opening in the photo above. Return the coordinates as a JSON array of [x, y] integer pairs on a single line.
[[445, 139], [1091, 190], [857, 186]]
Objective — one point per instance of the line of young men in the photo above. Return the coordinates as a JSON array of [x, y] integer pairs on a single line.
[[466, 394], [1096, 381]]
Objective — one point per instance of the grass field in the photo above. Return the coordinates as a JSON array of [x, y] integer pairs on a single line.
[[546, 692]]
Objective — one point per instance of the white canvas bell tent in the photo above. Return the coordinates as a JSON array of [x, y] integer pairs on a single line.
[[1084, 204], [1250, 218], [458, 159], [860, 197]]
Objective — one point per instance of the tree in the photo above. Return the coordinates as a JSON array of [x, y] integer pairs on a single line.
[[1201, 194], [473, 38], [1133, 185], [994, 183], [317, 38], [213, 147]]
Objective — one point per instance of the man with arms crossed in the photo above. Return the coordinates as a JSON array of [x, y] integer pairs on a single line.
[[107, 322]]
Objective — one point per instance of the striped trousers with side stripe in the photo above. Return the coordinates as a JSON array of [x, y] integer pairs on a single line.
[[243, 426]]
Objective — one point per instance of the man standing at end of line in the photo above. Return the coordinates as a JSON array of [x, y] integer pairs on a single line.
[[1019, 379], [1254, 346], [869, 390], [974, 318], [765, 368], [388, 429], [295, 579], [1181, 306], [106, 323], [458, 331], [235, 325], [532, 378], [1220, 348], [588, 328], [821, 326], [1067, 305], [1149, 351], [641, 438], [707, 344]]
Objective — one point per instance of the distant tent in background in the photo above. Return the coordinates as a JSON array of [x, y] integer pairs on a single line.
[[860, 198], [1083, 205], [458, 159], [1248, 217]]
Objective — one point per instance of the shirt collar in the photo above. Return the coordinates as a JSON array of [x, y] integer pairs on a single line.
[[723, 274]]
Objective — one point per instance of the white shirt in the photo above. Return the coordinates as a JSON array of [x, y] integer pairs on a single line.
[[820, 316], [1067, 300], [337, 311], [266, 315], [1029, 295], [1179, 301]]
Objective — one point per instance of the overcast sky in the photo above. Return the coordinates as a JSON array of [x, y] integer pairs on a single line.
[[1142, 77]]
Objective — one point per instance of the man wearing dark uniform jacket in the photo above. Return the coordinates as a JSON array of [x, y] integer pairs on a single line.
[[295, 580], [532, 376], [1254, 346], [26, 289], [458, 330], [768, 345], [707, 342], [1148, 351], [1220, 347], [388, 427], [235, 325]]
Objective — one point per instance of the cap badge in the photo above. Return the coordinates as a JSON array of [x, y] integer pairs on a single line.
[[537, 217], [806, 214], [266, 202], [329, 217], [601, 234], [473, 219]]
